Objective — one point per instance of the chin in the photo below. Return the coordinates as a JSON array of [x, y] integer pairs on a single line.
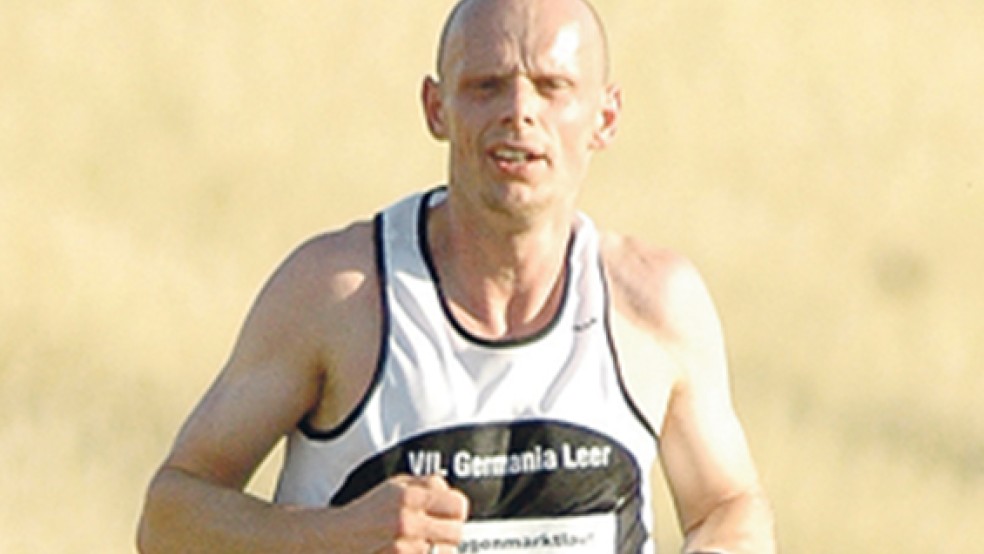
[[523, 201]]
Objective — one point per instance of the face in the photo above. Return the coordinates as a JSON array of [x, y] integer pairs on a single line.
[[523, 102]]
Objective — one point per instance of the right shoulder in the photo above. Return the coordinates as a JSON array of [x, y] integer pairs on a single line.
[[331, 265], [312, 306], [316, 297]]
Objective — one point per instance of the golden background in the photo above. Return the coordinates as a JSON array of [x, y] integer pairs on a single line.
[[820, 161]]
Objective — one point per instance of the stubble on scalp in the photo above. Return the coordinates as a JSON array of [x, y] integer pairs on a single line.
[[459, 15]]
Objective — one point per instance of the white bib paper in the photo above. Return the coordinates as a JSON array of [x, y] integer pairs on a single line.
[[589, 534]]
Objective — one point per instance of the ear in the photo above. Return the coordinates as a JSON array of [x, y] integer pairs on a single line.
[[433, 104], [608, 116]]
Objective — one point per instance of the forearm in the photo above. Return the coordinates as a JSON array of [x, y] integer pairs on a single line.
[[742, 525], [186, 514]]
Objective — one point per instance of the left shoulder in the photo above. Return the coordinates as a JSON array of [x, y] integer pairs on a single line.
[[657, 289]]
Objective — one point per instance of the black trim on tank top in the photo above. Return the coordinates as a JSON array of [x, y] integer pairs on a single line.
[[614, 352], [425, 252], [305, 426]]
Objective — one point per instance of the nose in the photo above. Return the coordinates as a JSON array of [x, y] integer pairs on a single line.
[[521, 103]]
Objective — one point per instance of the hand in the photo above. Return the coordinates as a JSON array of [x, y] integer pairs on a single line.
[[405, 515]]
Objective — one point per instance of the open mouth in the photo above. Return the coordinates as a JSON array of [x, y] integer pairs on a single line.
[[511, 155]]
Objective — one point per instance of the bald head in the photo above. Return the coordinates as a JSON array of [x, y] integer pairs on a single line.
[[467, 12]]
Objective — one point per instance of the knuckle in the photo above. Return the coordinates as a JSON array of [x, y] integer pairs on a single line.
[[414, 497], [464, 503], [408, 523], [435, 481]]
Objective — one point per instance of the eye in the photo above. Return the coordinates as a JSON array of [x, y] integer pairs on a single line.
[[486, 85], [549, 85]]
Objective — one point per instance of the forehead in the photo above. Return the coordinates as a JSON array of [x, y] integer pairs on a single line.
[[546, 35]]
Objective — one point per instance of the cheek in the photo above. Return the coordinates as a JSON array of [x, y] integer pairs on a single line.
[[577, 126], [459, 139], [464, 126]]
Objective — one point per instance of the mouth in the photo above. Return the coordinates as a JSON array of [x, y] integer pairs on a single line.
[[514, 156]]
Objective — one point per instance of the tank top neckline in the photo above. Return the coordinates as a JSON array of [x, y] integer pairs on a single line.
[[433, 198]]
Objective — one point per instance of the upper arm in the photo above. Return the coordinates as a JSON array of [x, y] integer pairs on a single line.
[[702, 446], [278, 366]]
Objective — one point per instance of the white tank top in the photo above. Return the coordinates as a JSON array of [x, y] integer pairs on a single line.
[[539, 432]]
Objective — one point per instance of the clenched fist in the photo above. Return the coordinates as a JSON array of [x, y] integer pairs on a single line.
[[405, 515]]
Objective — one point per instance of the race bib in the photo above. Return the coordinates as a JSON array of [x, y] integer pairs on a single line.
[[588, 534]]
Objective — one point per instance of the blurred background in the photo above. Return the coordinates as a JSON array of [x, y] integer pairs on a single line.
[[820, 161]]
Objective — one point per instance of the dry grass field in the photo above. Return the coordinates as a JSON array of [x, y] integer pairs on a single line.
[[822, 162]]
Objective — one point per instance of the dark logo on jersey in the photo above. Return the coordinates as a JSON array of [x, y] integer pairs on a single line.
[[520, 470], [466, 464]]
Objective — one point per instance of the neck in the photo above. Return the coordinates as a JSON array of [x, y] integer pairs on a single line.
[[500, 280]]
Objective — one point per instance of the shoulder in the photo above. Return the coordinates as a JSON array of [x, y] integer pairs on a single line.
[[664, 326], [339, 251], [333, 264], [656, 289], [304, 302]]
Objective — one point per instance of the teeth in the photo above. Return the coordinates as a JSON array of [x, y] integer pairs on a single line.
[[511, 155]]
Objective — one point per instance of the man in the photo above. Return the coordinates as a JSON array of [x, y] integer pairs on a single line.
[[477, 368]]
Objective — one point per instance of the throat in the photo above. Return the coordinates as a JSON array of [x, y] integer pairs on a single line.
[[493, 317], [495, 284]]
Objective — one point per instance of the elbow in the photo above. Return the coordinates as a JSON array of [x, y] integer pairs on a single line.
[[760, 536], [145, 543], [153, 517], [742, 524]]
